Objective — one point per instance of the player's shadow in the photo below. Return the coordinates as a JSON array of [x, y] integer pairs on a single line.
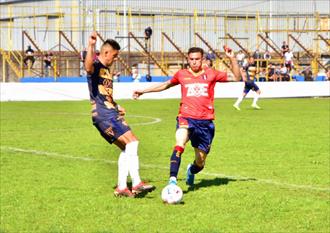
[[214, 182]]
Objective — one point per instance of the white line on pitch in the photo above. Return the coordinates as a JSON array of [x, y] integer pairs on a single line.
[[66, 156], [155, 120]]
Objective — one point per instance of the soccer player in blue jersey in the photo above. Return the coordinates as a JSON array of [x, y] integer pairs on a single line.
[[108, 116], [248, 73]]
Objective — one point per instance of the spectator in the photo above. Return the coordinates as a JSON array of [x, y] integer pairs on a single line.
[[277, 72], [48, 63], [207, 63], [210, 56], [262, 75], [135, 74], [29, 55], [284, 73], [83, 55], [267, 55], [288, 60], [240, 58], [271, 72], [115, 76], [245, 62], [308, 74], [285, 47], [257, 56], [148, 78], [322, 73]]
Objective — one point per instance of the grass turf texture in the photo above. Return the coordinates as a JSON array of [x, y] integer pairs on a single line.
[[268, 170]]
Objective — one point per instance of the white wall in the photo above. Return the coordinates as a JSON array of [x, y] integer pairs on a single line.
[[79, 91]]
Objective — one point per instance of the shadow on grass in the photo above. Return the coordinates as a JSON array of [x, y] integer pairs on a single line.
[[214, 182]]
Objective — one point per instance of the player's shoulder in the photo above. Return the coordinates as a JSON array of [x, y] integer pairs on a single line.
[[180, 73], [184, 71], [213, 71]]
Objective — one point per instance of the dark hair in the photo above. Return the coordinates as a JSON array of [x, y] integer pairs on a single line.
[[196, 50], [114, 44]]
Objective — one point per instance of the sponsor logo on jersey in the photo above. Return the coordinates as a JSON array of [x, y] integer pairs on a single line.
[[197, 89], [105, 73]]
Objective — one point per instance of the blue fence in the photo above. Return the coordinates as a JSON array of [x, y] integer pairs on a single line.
[[127, 79], [300, 78], [84, 79]]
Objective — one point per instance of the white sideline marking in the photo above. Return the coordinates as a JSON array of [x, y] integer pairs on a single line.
[[155, 120], [66, 156]]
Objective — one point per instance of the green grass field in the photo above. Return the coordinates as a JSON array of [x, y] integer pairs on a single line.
[[268, 171]]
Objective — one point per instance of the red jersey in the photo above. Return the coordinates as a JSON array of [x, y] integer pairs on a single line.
[[197, 92]]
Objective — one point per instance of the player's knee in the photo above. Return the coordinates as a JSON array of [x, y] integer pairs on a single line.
[[181, 136], [127, 137], [200, 163], [180, 144], [131, 148]]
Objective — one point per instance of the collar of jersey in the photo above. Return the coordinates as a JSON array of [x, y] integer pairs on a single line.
[[196, 74]]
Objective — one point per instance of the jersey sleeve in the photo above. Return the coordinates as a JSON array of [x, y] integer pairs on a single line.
[[175, 79], [221, 76]]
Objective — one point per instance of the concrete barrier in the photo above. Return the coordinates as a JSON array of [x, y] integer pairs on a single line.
[[79, 91]]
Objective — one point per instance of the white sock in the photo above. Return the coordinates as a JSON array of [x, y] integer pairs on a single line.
[[255, 99], [239, 100], [122, 170], [173, 178], [131, 151]]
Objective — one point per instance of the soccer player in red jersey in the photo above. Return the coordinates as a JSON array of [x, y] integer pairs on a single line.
[[196, 113]]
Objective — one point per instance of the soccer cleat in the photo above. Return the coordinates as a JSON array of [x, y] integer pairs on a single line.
[[236, 107], [123, 192], [255, 106], [190, 177], [142, 188]]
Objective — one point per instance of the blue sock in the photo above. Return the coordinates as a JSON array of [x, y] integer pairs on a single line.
[[176, 161]]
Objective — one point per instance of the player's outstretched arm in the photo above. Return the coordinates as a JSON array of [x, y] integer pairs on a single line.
[[90, 53], [155, 88], [235, 68]]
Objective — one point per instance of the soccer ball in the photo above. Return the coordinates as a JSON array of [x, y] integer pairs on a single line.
[[172, 194]]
